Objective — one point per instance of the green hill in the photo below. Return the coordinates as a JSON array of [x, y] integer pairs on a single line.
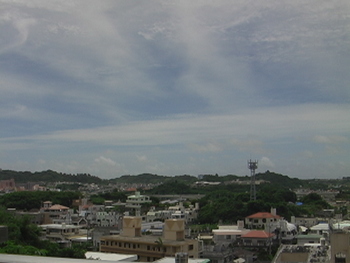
[[48, 176]]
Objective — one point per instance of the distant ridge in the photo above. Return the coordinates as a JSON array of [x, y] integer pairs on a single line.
[[48, 176], [144, 178]]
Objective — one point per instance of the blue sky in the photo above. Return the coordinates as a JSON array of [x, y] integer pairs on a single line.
[[175, 87]]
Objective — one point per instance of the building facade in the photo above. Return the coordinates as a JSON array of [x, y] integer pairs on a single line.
[[147, 247]]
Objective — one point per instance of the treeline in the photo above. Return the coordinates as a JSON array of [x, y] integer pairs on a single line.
[[229, 206], [48, 176], [28, 200]]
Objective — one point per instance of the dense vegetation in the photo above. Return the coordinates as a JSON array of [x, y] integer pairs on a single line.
[[24, 238], [147, 178], [33, 200]]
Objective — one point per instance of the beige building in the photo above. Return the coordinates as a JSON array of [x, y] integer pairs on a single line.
[[148, 247], [340, 246]]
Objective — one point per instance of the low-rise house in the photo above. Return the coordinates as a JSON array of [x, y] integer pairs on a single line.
[[257, 238], [219, 247], [178, 211], [228, 234], [285, 231], [52, 212], [262, 220], [320, 229], [60, 233], [305, 221], [308, 239]]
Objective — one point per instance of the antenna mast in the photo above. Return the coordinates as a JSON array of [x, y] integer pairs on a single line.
[[252, 166]]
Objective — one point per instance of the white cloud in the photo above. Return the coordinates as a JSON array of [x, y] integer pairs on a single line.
[[266, 162], [141, 158], [207, 147], [332, 139], [105, 161]]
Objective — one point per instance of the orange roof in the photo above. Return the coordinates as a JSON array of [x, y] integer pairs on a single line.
[[258, 234], [263, 215], [58, 207]]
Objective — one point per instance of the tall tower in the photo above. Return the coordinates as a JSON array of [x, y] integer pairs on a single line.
[[252, 166]]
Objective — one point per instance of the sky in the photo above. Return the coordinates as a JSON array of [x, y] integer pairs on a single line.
[[119, 87]]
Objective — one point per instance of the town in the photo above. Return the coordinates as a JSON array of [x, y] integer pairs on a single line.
[[191, 218]]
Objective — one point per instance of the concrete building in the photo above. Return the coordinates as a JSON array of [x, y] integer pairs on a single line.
[[305, 221], [60, 233], [228, 234], [136, 201], [52, 212], [262, 220], [320, 229], [148, 247], [285, 231], [308, 239], [7, 185], [178, 211], [257, 238], [308, 254], [340, 243]]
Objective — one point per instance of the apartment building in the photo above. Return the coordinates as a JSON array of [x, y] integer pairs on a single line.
[[136, 201]]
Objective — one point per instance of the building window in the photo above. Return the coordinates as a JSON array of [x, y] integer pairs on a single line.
[[190, 247]]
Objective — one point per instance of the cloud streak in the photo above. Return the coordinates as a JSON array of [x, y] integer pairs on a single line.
[[178, 82]]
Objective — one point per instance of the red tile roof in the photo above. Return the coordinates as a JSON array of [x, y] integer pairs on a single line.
[[258, 234], [58, 207], [263, 215]]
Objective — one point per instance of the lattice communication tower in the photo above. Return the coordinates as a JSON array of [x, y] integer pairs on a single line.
[[252, 166]]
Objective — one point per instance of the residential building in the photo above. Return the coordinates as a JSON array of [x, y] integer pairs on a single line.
[[308, 239], [136, 201], [220, 246], [262, 220], [7, 185], [320, 229], [52, 212], [340, 242], [178, 211], [229, 234], [60, 233], [285, 231], [257, 238], [305, 221]]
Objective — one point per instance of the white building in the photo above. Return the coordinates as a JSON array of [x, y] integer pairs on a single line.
[[136, 201]]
